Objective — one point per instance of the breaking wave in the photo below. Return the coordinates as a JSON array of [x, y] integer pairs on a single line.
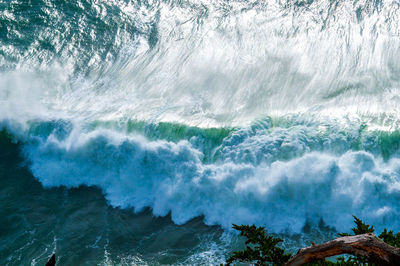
[[238, 111]]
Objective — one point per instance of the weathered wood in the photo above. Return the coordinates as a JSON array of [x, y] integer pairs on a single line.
[[367, 245]]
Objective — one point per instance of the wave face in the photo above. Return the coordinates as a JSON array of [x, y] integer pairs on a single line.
[[276, 113], [278, 176]]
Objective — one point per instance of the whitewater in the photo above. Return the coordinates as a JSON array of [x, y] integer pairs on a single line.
[[274, 113]]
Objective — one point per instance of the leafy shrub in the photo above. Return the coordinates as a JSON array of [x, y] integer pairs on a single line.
[[262, 249]]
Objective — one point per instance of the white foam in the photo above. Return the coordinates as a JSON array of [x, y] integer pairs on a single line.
[[215, 63], [171, 178]]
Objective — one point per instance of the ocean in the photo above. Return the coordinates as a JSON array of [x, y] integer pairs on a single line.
[[138, 132]]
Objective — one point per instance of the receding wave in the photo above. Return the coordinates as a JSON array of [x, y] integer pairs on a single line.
[[207, 63]]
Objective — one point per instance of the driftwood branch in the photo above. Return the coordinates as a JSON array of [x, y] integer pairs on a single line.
[[367, 245]]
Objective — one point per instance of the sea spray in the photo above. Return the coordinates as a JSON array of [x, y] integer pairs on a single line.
[[276, 177], [279, 113]]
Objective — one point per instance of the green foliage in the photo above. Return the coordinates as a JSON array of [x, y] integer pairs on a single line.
[[390, 238], [352, 260], [361, 227], [260, 248]]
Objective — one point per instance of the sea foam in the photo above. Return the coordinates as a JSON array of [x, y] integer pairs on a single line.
[[281, 192]]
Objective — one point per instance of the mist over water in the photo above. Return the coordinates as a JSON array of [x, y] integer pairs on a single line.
[[206, 63], [277, 113]]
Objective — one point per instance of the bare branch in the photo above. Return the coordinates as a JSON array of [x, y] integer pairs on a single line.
[[367, 245]]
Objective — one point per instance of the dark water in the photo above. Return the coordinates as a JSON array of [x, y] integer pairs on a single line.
[[137, 132], [82, 229]]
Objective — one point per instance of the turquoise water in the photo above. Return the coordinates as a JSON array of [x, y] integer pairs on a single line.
[[137, 132]]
